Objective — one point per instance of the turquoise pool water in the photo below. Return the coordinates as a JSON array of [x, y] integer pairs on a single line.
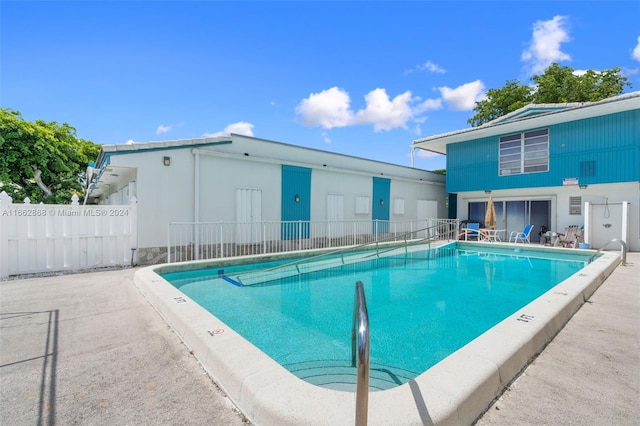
[[422, 306]]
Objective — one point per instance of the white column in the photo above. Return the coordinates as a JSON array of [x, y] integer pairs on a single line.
[[587, 222], [625, 222]]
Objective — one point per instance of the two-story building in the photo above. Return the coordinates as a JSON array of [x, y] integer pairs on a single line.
[[551, 165]]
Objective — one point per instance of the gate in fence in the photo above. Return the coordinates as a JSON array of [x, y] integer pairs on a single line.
[[52, 237]]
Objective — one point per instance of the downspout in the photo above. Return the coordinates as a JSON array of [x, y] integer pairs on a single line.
[[196, 204], [413, 150]]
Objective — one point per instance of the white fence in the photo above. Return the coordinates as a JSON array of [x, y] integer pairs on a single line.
[[45, 237], [210, 240]]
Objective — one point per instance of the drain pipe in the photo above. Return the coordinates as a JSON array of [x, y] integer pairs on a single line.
[[196, 204]]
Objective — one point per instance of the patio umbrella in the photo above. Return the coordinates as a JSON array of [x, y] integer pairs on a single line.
[[490, 215]]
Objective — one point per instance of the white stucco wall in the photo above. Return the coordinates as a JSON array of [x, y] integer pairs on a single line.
[[596, 195], [168, 193]]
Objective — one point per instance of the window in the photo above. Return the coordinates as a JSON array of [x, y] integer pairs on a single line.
[[524, 153], [398, 206], [362, 205]]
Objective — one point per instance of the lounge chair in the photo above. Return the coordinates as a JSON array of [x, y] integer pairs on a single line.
[[570, 238], [523, 236]]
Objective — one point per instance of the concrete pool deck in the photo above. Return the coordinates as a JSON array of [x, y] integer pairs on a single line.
[[89, 349]]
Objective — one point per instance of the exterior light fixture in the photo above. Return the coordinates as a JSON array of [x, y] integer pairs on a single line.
[[296, 198], [583, 186], [166, 161], [487, 191], [381, 202]]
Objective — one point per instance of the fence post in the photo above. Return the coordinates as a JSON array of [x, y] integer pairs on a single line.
[[222, 239], [133, 229], [75, 233], [5, 201], [264, 237], [169, 242]]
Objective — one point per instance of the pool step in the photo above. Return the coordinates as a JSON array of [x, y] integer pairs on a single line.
[[340, 375]]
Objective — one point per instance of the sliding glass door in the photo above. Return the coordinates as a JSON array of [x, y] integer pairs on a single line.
[[514, 215]]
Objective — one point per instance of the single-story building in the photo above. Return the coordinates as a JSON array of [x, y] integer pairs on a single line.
[[553, 166], [245, 179]]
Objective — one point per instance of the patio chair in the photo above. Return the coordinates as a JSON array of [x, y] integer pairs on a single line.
[[523, 236], [471, 232], [571, 237]]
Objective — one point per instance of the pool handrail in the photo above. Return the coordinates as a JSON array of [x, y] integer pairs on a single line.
[[343, 250], [360, 338], [623, 245]]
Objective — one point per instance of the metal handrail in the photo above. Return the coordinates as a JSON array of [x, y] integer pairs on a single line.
[[623, 244], [342, 251], [360, 335]]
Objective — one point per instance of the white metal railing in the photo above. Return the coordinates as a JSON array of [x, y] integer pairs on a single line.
[[188, 241]]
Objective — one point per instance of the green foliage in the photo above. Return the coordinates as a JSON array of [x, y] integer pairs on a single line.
[[51, 148], [501, 101], [558, 84]]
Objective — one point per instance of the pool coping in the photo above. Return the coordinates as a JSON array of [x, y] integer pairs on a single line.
[[457, 390]]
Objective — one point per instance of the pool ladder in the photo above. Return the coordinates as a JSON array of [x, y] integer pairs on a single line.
[[623, 244], [360, 338]]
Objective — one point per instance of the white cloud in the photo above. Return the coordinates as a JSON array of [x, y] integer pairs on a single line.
[[427, 66], [383, 113], [326, 138], [239, 128], [423, 153], [130, 142], [463, 98], [429, 105], [636, 51], [544, 48], [329, 108], [162, 129]]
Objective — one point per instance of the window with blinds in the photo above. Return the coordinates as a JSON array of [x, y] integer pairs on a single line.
[[526, 152]]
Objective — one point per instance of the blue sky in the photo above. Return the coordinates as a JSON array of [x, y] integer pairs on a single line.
[[357, 78]]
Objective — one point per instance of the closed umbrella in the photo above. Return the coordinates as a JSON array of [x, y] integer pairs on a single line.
[[490, 215]]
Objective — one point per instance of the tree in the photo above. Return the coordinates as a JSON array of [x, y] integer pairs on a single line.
[[500, 102], [43, 161], [558, 84]]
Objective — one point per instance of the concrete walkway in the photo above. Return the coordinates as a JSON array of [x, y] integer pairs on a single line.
[[88, 349], [590, 373]]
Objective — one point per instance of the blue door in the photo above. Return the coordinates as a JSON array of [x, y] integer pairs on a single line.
[[380, 204], [296, 202]]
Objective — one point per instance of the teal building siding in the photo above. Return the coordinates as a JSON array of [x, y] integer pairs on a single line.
[[604, 149], [296, 201]]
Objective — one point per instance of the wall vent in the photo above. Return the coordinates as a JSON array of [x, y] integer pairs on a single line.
[[575, 205], [587, 168]]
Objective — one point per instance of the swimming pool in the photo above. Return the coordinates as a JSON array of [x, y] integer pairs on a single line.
[[455, 388], [423, 305]]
